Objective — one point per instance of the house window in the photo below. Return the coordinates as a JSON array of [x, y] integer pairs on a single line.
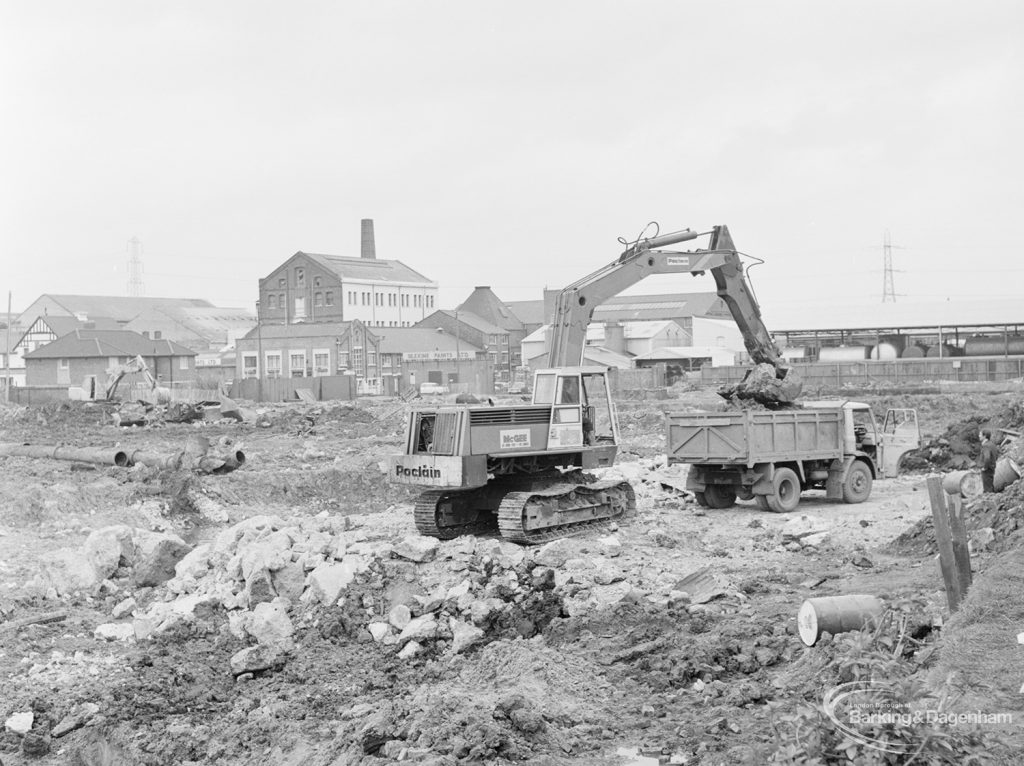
[[300, 277], [321, 362], [504, 340], [300, 309], [249, 366], [280, 282], [274, 364], [183, 363], [297, 364], [157, 335], [271, 301], [280, 300], [329, 298], [64, 364], [318, 299]]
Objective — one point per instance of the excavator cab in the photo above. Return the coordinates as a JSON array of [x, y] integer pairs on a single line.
[[581, 406]]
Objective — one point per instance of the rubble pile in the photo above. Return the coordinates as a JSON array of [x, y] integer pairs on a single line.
[[994, 522], [763, 385]]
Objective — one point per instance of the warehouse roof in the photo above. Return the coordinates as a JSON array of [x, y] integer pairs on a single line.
[[373, 269], [93, 343]]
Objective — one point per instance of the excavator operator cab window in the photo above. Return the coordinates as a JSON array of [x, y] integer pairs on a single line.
[[544, 389], [568, 390]]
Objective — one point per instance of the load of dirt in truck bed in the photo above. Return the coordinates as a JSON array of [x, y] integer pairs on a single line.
[[762, 384]]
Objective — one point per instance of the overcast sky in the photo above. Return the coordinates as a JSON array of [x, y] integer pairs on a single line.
[[510, 143]]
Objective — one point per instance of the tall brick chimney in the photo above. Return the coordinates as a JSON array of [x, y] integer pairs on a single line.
[[367, 247]]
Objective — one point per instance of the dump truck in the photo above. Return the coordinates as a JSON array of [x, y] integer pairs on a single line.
[[772, 456]]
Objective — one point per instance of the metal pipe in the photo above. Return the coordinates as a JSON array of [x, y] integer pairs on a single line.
[[97, 455]]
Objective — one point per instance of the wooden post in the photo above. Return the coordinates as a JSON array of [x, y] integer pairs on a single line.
[[944, 538], [961, 553]]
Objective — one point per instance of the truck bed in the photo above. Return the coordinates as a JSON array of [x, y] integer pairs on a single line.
[[749, 437]]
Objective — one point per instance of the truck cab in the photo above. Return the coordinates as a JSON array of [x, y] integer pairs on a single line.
[[884, 443]]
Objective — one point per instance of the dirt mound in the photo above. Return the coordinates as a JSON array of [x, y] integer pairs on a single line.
[[995, 522]]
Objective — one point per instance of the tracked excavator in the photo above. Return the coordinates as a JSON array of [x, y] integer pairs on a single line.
[[523, 469]]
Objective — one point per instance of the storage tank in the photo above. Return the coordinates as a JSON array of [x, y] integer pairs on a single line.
[[947, 350], [842, 353], [794, 352], [913, 352], [884, 351], [994, 345]]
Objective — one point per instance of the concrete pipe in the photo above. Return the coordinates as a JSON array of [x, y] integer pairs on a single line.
[[97, 455]]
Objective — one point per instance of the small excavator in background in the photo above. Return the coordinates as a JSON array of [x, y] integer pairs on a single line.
[[91, 390], [522, 469]]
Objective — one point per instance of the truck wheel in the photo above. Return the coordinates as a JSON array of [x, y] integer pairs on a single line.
[[718, 496], [857, 487], [786, 495]]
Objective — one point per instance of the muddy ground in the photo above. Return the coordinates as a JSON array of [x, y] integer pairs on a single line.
[[592, 652]]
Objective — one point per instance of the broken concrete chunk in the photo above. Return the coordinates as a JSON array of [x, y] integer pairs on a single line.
[[259, 588], [400, 616], [420, 629], [270, 624], [20, 723], [156, 557], [327, 582], [124, 608], [378, 630], [418, 548], [464, 635], [108, 548], [68, 571], [555, 553], [256, 658], [610, 546], [76, 719], [410, 650], [115, 631], [195, 563]]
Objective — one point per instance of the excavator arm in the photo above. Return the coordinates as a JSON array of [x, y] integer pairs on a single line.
[[576, 303]]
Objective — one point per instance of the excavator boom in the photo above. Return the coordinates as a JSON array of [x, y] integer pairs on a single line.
[[575, 305]]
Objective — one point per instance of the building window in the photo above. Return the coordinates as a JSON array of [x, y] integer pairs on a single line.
[[366, 299], [157, 335], [249, 366], [183, 363], [273, 364], [280, 300], [280, 282], [64, 364], [357, 360], [297, 364], [504, 340], [271, 301], [316, 281], [300, 309], [321, 362], [371, 362], [318, 299], [329, 298], [430, 301], [300, 277], [342, 359]]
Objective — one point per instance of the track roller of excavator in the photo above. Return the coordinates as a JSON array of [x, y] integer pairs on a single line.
[[448, 513], [560, 510]]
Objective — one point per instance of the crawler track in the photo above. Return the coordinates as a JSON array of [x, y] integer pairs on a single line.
[[561, 510], [446, 514]]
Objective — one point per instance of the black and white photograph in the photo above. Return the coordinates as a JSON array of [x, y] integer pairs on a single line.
[[571, 383]]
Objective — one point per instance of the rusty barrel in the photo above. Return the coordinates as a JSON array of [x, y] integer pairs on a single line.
[[1006, 473], [836, 614], [967, 484]]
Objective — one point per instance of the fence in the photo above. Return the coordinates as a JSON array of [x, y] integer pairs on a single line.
[[897, 372], [283, 389]]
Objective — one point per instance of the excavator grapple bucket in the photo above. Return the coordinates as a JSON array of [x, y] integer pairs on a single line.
[[767, 385]]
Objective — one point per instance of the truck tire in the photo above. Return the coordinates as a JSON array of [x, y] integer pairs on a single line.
[[786, 494], [717, 496], [857, 487]]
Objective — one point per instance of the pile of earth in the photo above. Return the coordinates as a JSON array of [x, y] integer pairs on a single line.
[[959, 446], [994, 522]]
